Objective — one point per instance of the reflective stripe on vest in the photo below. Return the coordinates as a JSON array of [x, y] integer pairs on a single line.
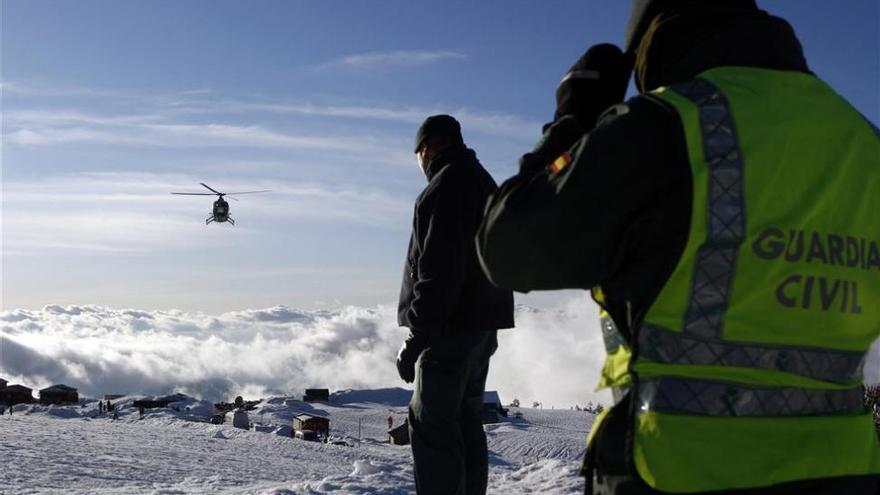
[[610, 334], [712, 398], [717, 256], [665, 346]]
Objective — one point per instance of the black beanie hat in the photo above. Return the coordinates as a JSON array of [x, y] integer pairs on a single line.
[[644, 11], [435, 126], [595, 82]]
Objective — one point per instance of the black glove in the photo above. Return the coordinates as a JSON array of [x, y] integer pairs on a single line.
[[558, 138], [409, 353], [597, 81]]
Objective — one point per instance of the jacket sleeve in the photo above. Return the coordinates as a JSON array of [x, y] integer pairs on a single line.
[[565, 229], [441, 267]]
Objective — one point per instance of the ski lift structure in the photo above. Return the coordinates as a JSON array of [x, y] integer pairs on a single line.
[[220, 212]]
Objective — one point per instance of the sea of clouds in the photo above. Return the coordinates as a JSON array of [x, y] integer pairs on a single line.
[[553, 356]]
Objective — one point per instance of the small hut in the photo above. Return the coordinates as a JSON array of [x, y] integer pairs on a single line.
[[16, 394], [492, 408], [159, 403], [399, 435], [318, 424], [58, 394], [263, 428], [317, 395], [240, 419]]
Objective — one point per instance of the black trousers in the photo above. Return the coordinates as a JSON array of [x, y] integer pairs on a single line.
[[445, 428]]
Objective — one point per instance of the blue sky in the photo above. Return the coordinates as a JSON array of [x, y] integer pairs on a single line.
[[109, 105]]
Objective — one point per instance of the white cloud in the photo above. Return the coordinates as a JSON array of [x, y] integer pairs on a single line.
[[396, 59], [29, 89], [45, 127], [553, 356], [488, 123], [98, 212], [132, 131]]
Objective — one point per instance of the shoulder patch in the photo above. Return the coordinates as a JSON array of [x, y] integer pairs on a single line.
[[560, 162]]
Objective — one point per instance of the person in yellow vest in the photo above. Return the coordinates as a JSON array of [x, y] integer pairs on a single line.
[[725, 220]]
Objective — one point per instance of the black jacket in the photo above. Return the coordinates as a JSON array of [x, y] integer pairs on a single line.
[[444, 291], [618, 216]]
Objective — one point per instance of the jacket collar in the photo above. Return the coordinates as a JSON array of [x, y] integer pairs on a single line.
[[685, 45], [451, 155]]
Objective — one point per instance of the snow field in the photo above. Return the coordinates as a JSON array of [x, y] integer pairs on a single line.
[[71, 449]]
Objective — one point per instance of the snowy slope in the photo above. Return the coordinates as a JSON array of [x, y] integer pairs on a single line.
[[72, 449]]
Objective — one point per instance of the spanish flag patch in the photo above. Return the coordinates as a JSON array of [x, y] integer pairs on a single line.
[[560, 163]]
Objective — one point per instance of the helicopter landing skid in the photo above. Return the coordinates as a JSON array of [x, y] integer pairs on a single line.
[[212, 219]]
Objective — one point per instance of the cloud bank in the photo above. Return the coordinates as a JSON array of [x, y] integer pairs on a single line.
[[553, 356]]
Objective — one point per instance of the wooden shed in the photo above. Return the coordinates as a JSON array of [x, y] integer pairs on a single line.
[[16, 394], [58, 394], [317, 395], [399, 435], [318, 424]]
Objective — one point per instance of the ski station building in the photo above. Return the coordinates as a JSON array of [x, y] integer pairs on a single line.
[[58, 394], [492, 407], [16, 394], [317, 395]]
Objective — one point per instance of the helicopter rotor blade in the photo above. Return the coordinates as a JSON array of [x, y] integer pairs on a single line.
[[193, 194], [249, 192], [211, 189]]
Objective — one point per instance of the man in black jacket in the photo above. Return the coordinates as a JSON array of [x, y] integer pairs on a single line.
[[609, 204], [452, 312]]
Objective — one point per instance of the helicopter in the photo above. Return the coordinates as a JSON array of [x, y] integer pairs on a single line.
[[220, 212]]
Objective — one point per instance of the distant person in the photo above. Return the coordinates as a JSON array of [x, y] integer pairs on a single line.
[[453, 313], [100, 407], [726, 221], [390, 422]]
